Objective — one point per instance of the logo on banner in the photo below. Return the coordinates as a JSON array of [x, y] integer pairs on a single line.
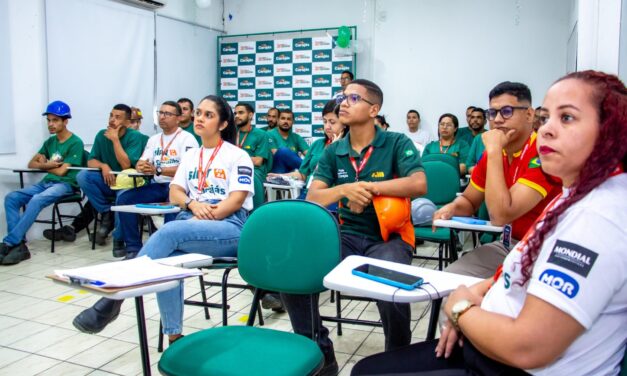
[[339, 67], [304, 93], [322, 68], [228, 72], [246, 95], [246, 71], [283, 45], [302, 44], [302, 57], [265, 46], [264, 94], [264, 58], [264, 70], [261, 119], [322, 81], [321, 43], [228, 60], [283, 81], [248, 59], [283, 70], [228, 83], [302, 106], [318, 105], [283, 105], [322, 55], [317, 118], [322, 93], [263, 106], [302, 81], [317, 130], [283, 93], [302, 69], [282, 57], [229, 48], [263, 83], [246, 83], [229, 95]]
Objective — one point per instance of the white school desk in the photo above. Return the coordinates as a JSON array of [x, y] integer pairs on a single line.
[[438, 285], [271, 190]]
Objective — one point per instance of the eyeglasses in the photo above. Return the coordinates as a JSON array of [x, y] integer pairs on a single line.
[[351, 98], [200, 113], [165, 113], [505, 111], [446, 125]]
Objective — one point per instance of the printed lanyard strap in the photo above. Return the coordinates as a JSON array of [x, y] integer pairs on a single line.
[[362, 164], [241, 144], [202, 173], [165, 151]]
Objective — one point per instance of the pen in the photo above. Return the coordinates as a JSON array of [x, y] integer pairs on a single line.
[[81, 281]]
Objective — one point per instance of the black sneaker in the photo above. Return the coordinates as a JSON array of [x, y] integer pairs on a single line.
[[4, 250], [272, 301], [330, 367], [57, 235], [16, 255], [68, 233], [94, 319], [119, 248]]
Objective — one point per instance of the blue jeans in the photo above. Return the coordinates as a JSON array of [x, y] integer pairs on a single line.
[[128, 223], [285, 160], [37, 197], [186, 235], [394, 316], [97, 191]]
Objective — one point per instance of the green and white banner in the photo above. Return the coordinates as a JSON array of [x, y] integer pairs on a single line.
[[301, 74]]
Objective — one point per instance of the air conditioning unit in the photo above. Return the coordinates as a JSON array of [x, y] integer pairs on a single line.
[[145, 4]]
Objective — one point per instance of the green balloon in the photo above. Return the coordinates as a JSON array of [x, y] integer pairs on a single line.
[[343, 42], [343, 36]]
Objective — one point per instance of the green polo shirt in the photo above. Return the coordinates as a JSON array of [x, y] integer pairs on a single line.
[[394, 155], [267, 128], [458, 149], [255, 143], [190, 130], [133, 143], [476, 150], [465, 134], [69, 151], [294, 142], [310, 161]]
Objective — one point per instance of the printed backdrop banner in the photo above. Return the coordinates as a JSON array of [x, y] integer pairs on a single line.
[[300, 74]]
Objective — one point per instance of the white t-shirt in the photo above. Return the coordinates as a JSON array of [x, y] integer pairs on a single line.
[[153, 152], [581, 270], [420, 138], [231, 170]]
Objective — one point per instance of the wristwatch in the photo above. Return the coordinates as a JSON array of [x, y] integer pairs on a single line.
[[458, 310], [187, 202], [158, 171]]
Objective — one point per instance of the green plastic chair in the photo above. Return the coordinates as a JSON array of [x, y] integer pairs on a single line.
[[442, 188], [446, 158], [286, 246]]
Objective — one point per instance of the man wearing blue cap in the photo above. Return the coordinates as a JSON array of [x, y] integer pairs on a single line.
[[60, 151]]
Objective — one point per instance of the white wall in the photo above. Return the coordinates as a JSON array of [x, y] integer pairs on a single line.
[[599, 35], [28, 81]]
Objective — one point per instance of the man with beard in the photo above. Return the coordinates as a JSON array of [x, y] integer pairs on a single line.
[[476, 148], [255, 142], [271, 118], [287, 146], [62, 150], [476, 125], [186, 119]]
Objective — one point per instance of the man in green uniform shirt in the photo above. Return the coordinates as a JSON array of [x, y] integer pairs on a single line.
[[287, 146], [366, 163], [476, 147], [272, 117], [186, 119], [475, 117], [60, 151], [255, 142], [115, 149]]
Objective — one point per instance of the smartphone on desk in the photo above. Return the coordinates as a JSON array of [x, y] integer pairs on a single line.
[[388, 276], [156, 205]]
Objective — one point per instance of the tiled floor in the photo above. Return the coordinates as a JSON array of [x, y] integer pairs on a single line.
[[37, 336]]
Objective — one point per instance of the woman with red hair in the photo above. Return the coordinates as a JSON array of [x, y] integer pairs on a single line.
[[559, 301]]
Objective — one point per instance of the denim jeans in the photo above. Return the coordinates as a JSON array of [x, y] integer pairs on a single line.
[[35, 197], [395, 316], [285, 160], [185, 235], [127, 224], [96, 190]]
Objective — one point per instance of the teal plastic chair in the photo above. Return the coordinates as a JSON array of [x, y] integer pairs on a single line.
[[623, 367], [442, 188], [446, 158], [286, 246]]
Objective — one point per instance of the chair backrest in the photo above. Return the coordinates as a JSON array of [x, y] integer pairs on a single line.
[[442, 182], [446, 158], [289, 246]]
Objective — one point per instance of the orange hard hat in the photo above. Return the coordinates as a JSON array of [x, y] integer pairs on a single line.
[[394, 215]]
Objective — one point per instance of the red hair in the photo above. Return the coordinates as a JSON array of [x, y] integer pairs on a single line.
[[610, 150]]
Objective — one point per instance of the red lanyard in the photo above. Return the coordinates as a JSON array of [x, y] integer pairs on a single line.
[[202, 174], [362, 164], [449, 146], [241, 144], [165, 151]]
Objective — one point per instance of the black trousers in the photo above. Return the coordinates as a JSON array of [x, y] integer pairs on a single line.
[[419, 359]]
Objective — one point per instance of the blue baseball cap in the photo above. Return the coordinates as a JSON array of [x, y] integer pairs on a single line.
[[58, 108]]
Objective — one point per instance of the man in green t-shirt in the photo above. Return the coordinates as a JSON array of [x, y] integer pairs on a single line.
[[286, 146], [272, 116], [475, 117], [368, 162], [60, 151], [186, 119], [255, 142], [115, 149]]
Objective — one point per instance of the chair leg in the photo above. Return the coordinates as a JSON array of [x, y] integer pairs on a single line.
[[160, 344], [55, 211], [338, 311], [254, 306], [440, 255], [93, 238], [203, 293]]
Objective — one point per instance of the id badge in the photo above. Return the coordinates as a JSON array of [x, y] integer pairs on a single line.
[[507, 235]]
